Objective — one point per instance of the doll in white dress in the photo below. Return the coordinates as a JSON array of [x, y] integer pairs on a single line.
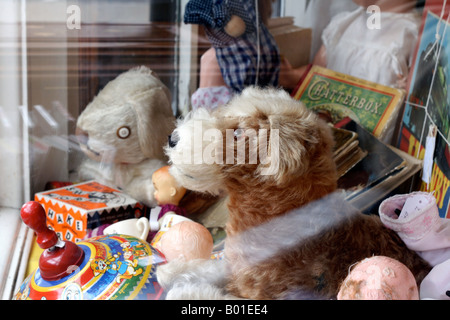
[[376, 48], [373, 45]]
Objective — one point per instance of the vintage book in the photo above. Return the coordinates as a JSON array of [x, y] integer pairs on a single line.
[[427, 107], [380, 163], [337, 96], [367, 200], [347, 153]]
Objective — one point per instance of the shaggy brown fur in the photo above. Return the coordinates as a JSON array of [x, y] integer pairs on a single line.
[[316, 267]]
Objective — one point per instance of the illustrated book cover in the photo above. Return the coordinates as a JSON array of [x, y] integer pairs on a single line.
[[335, 96], [425, 126]]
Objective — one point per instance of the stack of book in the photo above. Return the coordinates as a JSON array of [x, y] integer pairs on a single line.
[[363, 115], [347, 152], [380, 172]]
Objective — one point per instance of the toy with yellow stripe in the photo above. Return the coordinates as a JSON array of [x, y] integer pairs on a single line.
[[114, 267]]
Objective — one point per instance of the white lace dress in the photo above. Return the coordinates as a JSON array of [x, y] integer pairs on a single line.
[[380, 55]]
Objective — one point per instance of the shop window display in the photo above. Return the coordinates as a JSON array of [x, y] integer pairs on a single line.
[[282, 198]]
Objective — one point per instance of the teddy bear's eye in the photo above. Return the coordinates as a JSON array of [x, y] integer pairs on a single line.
[[239, 133], [123, 132]]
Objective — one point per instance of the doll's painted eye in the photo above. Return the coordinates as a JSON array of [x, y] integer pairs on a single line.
[[123, 132]]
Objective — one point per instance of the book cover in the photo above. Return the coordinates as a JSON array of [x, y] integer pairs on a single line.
[[336, 96], [379, 163], [368, 200], [427, 107], [347, 153]]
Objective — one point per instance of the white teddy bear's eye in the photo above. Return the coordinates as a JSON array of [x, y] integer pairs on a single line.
[[123, 132], [239, 133]]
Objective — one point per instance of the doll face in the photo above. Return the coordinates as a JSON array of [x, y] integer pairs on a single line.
[[163, 191], [167, 190]]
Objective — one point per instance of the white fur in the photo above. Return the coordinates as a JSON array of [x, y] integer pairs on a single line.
[[247, 106], [191, 175], [206, 279], [195, 280], [268, 109], [138, 100]]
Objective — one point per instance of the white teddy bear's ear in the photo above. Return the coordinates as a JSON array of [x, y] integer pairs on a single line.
[[155, 121]]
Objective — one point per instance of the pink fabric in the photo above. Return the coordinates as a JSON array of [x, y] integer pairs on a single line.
[[211, 97], [423, 231], [436, 284]]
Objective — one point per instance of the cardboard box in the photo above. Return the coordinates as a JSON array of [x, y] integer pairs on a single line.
[[293, 42], [74, 210]]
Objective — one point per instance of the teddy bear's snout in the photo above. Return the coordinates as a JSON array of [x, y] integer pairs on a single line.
[[173, 140]]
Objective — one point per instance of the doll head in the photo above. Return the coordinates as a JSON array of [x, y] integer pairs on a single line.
[[379, 278], [187, 240], [167, 189]]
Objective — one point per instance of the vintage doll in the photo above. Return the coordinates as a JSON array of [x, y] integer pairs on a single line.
[[355, 45], [242, 48], [358, 44], [379, 278], [415, 218], [168, 194], [178, 236], [186, 240]]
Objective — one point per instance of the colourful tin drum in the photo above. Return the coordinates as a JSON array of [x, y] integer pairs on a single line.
[[114, 267]]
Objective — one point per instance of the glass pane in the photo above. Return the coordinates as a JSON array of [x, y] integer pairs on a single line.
[[74, 50], [92, 90]]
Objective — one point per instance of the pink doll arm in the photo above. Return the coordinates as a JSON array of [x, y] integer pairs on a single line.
[[290, 77], [320, 58], [210, 74]]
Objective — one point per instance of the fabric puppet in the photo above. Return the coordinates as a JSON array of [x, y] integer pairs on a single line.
[[246, 56]]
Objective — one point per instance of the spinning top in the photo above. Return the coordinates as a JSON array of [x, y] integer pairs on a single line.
[[110, 267], [60, 258]]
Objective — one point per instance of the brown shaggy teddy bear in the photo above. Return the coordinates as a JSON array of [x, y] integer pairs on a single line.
[[290, 233]]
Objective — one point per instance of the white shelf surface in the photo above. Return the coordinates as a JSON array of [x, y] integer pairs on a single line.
[[16, 240]]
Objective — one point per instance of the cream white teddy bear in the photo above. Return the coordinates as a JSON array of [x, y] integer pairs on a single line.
[[123, 131]]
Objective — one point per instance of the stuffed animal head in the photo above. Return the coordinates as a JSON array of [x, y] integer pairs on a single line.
[[128, 121], [261, 135]]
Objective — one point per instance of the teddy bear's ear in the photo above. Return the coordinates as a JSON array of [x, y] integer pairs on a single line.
[[292, 144], [285, 153], [155, 120]]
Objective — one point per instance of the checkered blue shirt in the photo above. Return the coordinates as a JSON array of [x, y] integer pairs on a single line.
[[238, 57]]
